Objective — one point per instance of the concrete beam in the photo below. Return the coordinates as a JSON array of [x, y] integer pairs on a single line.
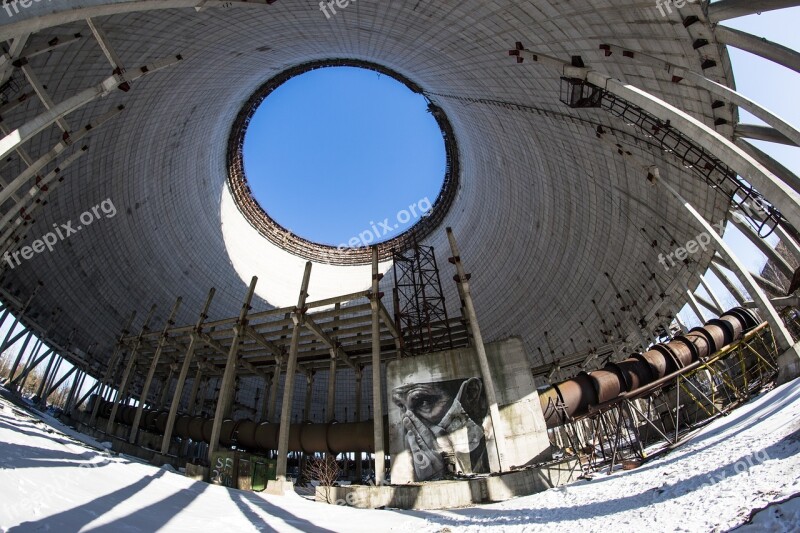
[[730, 9], [759, 46]]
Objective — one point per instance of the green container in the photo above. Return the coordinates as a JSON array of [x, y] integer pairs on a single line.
[[264, 470]]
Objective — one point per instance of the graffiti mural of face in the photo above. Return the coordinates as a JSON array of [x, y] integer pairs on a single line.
[[444, 419]]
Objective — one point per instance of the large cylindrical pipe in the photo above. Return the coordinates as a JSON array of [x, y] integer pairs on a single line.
[[332, 437], [573, 397]]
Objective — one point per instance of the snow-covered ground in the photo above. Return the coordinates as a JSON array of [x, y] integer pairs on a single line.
[[732, 469]]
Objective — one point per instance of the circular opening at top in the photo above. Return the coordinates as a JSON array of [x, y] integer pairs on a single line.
[[344, 156], [331, 158]]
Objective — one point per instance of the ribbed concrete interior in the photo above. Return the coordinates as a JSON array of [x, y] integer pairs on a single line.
[[544, 207]]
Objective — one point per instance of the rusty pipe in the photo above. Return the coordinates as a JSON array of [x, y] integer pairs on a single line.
[[574, 397], [333, 437]]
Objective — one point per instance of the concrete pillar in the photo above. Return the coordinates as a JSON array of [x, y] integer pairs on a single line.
[[273, 414], [735, 292], [265, 394], [162, 400], [330, 405], [309, 392], [288, 387], [759, 46], [719, 305], [480, 349], [88, 393], [789, 360], [73, 391], [377, 393], [694, 304], [359, 455], [20, 380], [192, 405], [187, 363], [729, 9], [122, 391], [45, 377], [111, 368], [227, 387], [19, 355], [772, 254], [152, 371]]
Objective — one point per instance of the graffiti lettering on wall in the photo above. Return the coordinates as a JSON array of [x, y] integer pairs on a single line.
[[443, 427]]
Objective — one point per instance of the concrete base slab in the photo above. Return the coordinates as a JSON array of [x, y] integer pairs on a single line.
[[452, 494], [279, 488], [789, 365]]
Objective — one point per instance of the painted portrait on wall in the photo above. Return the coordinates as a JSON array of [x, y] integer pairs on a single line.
[[443, 427]]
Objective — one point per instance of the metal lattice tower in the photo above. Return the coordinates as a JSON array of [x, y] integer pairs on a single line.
[[419, 301]]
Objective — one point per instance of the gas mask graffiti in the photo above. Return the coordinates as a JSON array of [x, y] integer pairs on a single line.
[[442, 427]]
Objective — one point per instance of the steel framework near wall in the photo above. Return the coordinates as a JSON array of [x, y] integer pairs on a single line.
[[420, 307], [638, 425]]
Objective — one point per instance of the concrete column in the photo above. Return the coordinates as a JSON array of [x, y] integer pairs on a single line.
[[152, 371], [265, 394], [330, 405], [45, 377], [359, 455], [480, 349], [191, 407], [712, 295], [122, 391], [735, 292], [162, 400], [112, 366], [729, 9], [187, 363], [288, 386], [782, 265], [377, 393], [227, 387], [73, 391], [19, 355], [759, 46], [88, 393], [54, 387], [309, 392], [20, 380], [789, 360], [274, 416]]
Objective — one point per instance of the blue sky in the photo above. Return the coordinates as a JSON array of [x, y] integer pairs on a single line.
[[337, 149]]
